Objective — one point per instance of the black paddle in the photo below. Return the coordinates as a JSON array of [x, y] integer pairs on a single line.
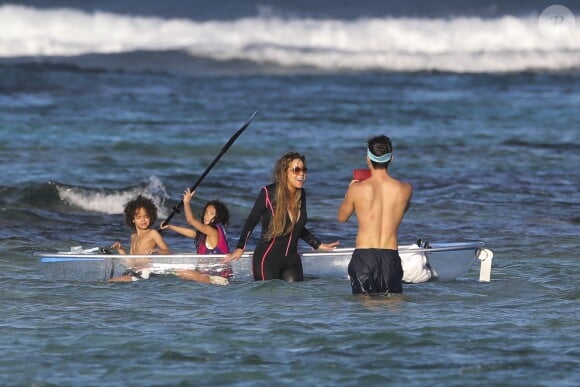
[[177, 208]]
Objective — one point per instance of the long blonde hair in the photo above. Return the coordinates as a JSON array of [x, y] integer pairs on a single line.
[[284, 202]]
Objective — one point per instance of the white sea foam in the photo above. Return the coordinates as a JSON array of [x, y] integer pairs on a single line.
[[103, 202], [462, 44], [113, 201]]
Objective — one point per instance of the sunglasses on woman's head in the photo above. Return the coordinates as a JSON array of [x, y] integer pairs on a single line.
[[298, 170]]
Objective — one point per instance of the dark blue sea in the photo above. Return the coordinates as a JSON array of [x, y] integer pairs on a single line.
[[103, 100]]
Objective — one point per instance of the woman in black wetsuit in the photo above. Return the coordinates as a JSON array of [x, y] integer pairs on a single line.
[[282, 208]]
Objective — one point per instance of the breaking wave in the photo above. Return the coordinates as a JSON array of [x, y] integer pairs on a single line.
[[459, 44]]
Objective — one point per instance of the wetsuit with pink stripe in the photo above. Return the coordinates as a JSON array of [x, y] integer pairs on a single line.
[[277, 258]]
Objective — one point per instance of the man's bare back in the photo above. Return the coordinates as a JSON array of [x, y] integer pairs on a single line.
[[379, 203]]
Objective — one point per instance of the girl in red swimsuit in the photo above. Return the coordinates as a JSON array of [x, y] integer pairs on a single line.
[[209, 233]]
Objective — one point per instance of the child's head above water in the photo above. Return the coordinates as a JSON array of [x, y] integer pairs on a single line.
[[132, 207], [221, 213]]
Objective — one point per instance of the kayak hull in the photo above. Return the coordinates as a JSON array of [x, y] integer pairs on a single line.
[[441, 262]]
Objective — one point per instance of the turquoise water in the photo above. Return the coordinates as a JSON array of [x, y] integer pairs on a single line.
[[483, 168], [492, 156]]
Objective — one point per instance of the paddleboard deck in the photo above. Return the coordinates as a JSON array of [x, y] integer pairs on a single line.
[[443, 262]]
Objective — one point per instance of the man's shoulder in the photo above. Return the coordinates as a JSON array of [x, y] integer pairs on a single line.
[[402, 183], [399, 187], [407, 188], [407, 185]]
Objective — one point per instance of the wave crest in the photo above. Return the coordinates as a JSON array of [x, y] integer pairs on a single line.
[[112, 201], [461, 44]]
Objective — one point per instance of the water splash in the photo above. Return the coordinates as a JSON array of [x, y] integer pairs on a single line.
[[112, 201]]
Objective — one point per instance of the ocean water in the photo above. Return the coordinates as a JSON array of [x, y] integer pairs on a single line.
[[104, 101]]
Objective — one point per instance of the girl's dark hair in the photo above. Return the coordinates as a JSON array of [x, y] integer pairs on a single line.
[[132, 206], [222, 214]]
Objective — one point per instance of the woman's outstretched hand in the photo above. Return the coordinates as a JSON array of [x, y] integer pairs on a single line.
[[233, 256], [328, 246]]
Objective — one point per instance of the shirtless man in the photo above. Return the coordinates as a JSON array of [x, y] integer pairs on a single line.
[[379, 203]]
